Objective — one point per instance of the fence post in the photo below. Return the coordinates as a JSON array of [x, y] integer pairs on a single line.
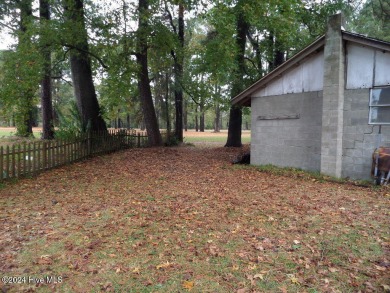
[[19, 164], [49, 159], [1, 164], [44, 158], [29, 157], [24, 159], [139, 140], [39, 156], [89, 143], [13, 162], [34, 158], [7, 164]]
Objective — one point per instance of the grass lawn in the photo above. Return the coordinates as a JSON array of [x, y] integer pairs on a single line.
[[207, 138], [5, 133], [185, 219], [7, 136], [211, 138]]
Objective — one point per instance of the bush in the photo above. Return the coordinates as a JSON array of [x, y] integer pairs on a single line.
[[71, 126]]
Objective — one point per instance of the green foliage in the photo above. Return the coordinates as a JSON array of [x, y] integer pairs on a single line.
[[209, 51], [19, 84], [171, 140], [71, 125], [372, 20]]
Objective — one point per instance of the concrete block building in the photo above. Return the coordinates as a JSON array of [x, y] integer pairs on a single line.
[[326, 109]]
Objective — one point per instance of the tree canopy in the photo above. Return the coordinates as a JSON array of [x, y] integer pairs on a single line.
[[167, 64]]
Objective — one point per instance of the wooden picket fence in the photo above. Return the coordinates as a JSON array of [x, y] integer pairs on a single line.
[[28, 159]]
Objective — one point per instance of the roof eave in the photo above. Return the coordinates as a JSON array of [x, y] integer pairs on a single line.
[[363, 40]]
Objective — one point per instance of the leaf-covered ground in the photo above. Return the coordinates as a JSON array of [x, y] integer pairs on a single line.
[[185, 219]]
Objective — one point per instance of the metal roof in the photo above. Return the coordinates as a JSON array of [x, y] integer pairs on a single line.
[[244, 98]]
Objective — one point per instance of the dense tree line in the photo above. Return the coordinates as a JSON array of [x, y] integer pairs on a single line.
[[154, 63]]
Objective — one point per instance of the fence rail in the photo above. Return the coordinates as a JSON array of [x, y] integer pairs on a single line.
[[27, 159]]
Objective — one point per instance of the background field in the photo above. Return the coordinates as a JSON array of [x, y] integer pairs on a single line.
[[191, 136]]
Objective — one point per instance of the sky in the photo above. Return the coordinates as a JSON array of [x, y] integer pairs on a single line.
[[6, 39]]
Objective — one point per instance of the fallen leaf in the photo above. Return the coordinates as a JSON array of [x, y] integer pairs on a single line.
[[258, 276], [164, 265], [283, 289], [379, 268], [386, 288], [271, 219], [293, 279], [188, 285]]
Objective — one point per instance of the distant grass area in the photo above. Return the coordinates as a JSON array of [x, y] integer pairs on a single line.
[[6, 133], [8, 137], [221, 139], [210, 137]]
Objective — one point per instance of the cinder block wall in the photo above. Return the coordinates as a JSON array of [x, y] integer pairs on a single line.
[[333, 98], [359, 138], [287, 142]]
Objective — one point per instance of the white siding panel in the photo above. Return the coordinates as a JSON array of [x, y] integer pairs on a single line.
[[313, 73], [260, 93], [274, 88], [360, 66], [292, 81], [382, 68]]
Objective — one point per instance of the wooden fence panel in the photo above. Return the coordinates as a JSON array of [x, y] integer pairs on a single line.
[[7, 163], [31, 158], [13, 173], [1, 163]]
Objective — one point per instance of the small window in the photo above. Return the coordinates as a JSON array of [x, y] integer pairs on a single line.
[[379, 106]]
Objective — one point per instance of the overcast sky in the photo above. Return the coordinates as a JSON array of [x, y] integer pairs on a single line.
[[5, 38]]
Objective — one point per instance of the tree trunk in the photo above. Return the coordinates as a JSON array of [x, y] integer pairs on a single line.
[[277, 54], [80, 64], [235, 117], [196, 119], [217, 126], [46, 95], [178, 77], [145, 93], [25, 123], [258, 52], [185, 116], [201, 119], [167, 103], [128, 126]]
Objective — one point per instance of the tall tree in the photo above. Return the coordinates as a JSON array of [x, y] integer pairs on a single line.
[[25, 120], [21, 70], [46, 88], [178, 57], [145, 93], [80, 64], [235, 115]]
